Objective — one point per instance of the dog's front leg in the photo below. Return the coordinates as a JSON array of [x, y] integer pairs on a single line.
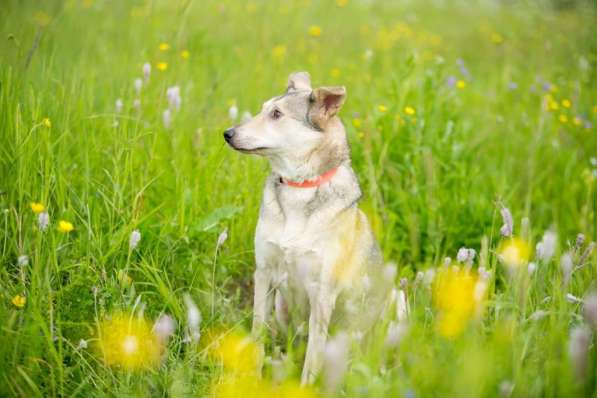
[[262, 306], [319, 321]]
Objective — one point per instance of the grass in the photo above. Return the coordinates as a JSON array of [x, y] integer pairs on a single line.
[[483, 78]]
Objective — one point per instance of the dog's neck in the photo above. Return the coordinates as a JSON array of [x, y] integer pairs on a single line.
[[332, 153]]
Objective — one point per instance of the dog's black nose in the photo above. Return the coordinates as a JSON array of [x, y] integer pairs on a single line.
[[228, 134]]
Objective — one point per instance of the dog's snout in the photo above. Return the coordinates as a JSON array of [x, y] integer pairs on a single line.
[[228, 134]]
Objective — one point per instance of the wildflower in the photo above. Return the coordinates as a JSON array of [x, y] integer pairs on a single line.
[[129, 342], [279, 52], [137, 104], [357, 123], [18, 301], [514, 252], [185, 54], [585, 255], [455, 299], [315, 31], [409, 110], [193, 320], [146, 70], [164, 46], [167, 118], [566, 264], [512, 86], [233, 113], [451, 81], [37, 207], [566, 103], [246, 116], [341, 3], [447, 261], [538, 315], [578, 349], [162, 66], [222, 237], [138, 85], [164, 327], [508, 228], [531, 268], [43, 220], [382, 108], [134, 239], [118, 105], [547, 246], [23, 260], [577, 120], [506, 388], [460, 84], [65, 226], [174, 99], [465, 255], [463, 70], [335, 72], [563, 118], [429, 276], [368, 54], [335, 361], [123, 278], [237, 353], [82, 344], [395, 334], [590, 309]]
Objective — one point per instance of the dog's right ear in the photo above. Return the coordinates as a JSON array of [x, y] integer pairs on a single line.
[[325, 103], [299, 81]]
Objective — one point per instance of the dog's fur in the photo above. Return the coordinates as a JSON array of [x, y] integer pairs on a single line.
[[316, 255]]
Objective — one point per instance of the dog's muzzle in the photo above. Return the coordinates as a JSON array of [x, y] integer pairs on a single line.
[[228, 134]]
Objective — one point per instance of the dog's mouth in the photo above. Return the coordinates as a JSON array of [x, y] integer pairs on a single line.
[[248, 150]]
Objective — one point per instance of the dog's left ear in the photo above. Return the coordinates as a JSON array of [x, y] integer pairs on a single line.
[[325, 104]]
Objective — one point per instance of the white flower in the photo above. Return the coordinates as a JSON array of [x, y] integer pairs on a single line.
[[566, 263], [193, 320], [429, 276], [506, 388], [137, 104], [146, 70], [134, 239], [531, 268], [547, 247], [396, 332], [246, 117], [233, 113], [164, 327], [447, 261], [167, 118], [335, 361], [578, 349], [508, 228], [23, 260], [173, 95], [538, 315], [222, 238], [572, 298], [466, 255], [82, 344], [138, 85], [590, 309], [43, 220], [118, 105], [368, 54]]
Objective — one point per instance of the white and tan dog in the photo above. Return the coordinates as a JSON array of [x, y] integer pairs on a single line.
[[316, 255]]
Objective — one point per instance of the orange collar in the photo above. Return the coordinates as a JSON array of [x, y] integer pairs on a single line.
[[315, 182]]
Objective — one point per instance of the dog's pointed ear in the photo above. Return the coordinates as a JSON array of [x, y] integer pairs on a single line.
[[325, 104], [299, 81]]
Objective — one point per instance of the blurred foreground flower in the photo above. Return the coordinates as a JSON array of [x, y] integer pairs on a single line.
[[185, 54], [193, 320], [129, 342], [167, 118], [134, 239], [65, 226], [458, 295], [465, 255], [547, 247], [314, 31], [37, 207], [46, 122], [252, 387], [43, 220], [233, 113], [146, 70], [162, 66], [514, 252], [19, 301], [508, 228], [164, 327], [174, 99], [335, 361], [578, 349], [237, 353], [164, 46]]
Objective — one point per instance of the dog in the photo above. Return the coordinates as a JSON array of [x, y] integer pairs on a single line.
[[317, 259]]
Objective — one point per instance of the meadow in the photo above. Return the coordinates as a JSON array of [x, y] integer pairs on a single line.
[[126, 223]]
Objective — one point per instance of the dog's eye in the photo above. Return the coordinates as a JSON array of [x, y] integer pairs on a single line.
[[276, 114]]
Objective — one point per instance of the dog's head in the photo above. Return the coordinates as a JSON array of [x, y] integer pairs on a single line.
[[294, 125]]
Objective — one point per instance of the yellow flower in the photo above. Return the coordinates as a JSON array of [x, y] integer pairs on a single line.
[[128, 341], [496, 38], [563, 118], [237, 352], [341, 3], [514, 252], [552, 104], [18, 301], [41, 18], [360, 135], [382, 108], [594, 109], [279, 52], [46, 122], [37, 207], [164, 46], [458, 295], [335, 72], [409, 110], [315, 31], [65, 226], [185, 54], [461, 84], [357, 123], [162, 66], [566, 103], [577, 121]]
